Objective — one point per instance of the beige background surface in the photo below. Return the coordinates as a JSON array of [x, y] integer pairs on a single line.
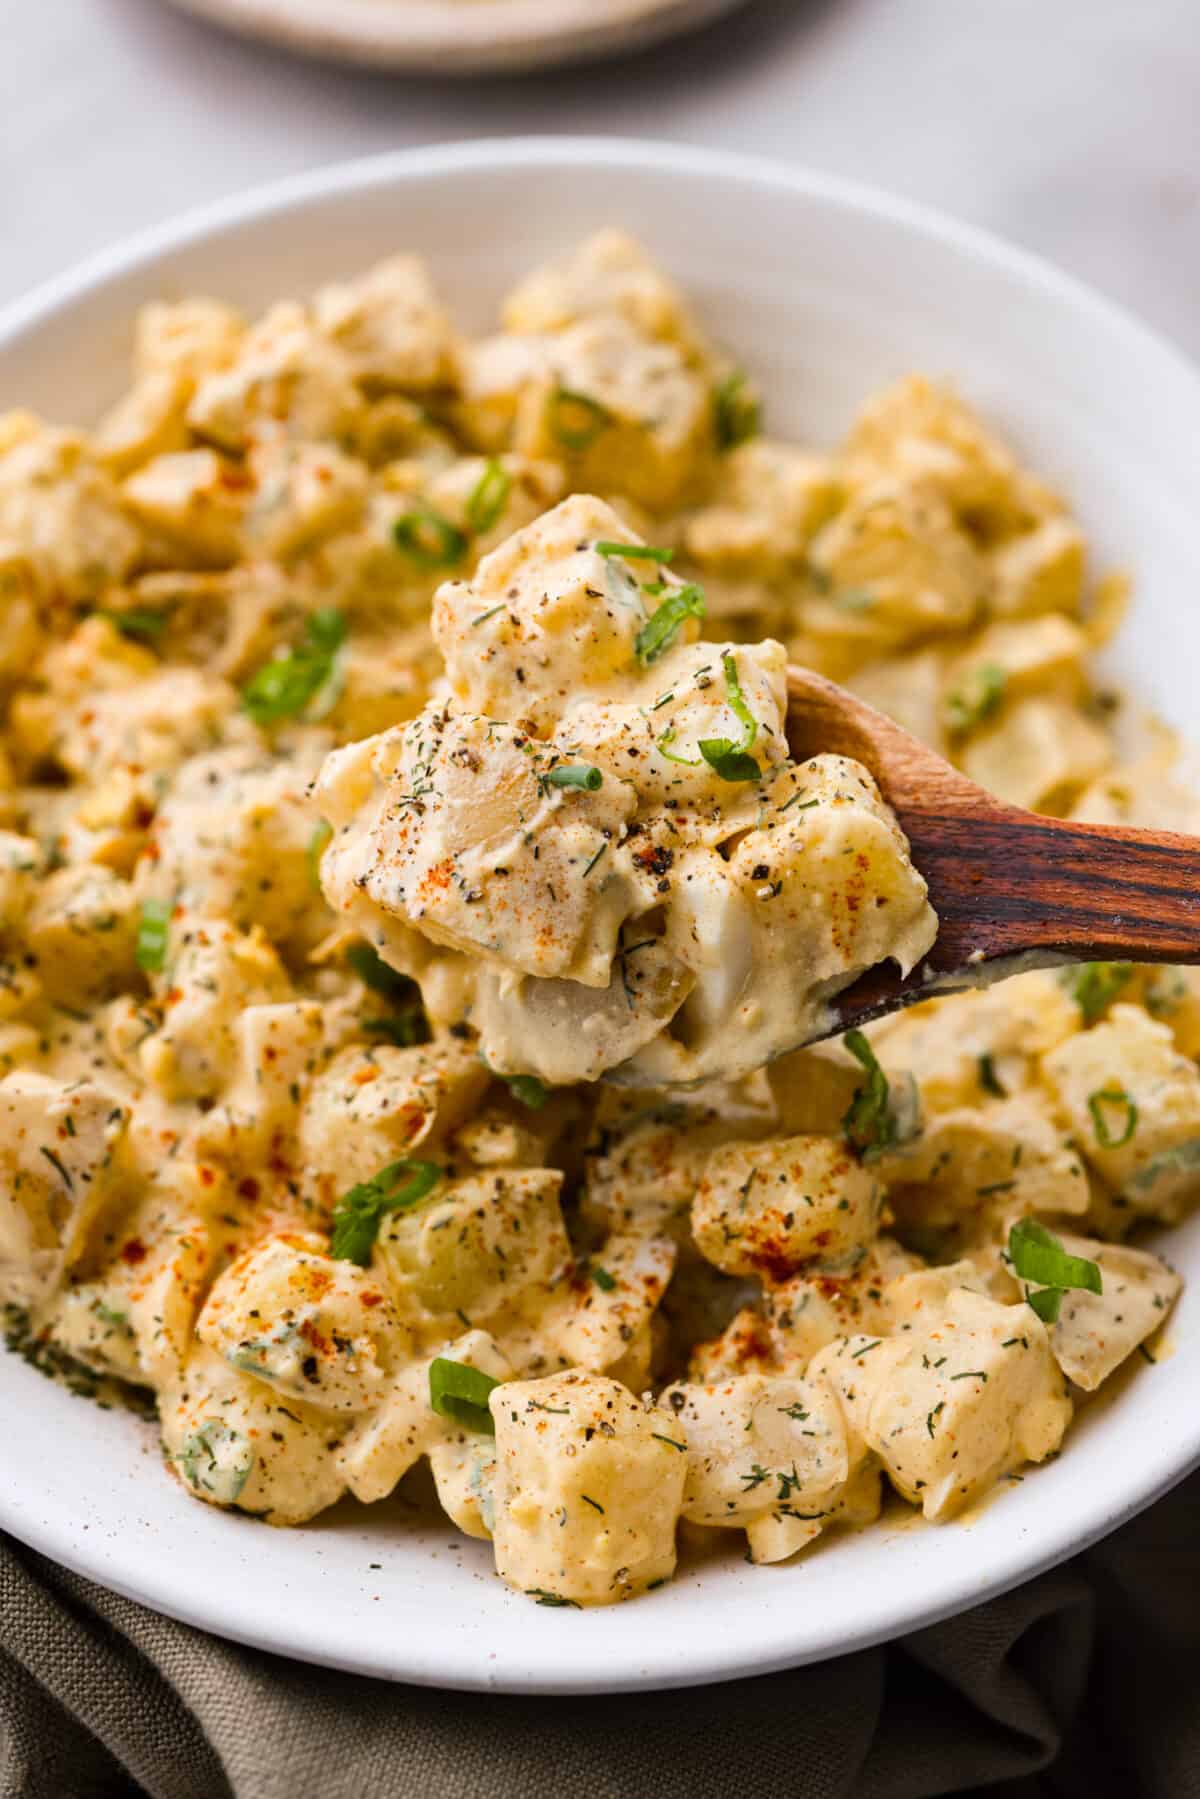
[[1070, 125]]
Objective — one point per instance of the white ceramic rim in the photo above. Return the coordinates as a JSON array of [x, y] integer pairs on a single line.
[[441, 37], [566, 1663]]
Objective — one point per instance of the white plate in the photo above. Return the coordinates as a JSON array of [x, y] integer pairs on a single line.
[[826, 292], [460, 37]]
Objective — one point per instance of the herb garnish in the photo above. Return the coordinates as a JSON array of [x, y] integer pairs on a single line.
[[1113, 1097], [1038, 1255], [635, 552], [142, 624], [428, 538], [988, 1078], [575, 419], [488, 497], [544, 1597], [528, 1089], [976, 699], [603, 1279], [154, 926], [377, 974], [662, 627], [584, 775], [318, 843], [727, 759], [737, 414], [292, 679], [360, 1212], [868, 1125], [459, 1392], [1095, 985]]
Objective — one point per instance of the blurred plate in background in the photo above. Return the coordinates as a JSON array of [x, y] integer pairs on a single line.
[[460, 37]]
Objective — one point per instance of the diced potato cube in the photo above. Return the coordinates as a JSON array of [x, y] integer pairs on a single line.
[[548, 604], [189, 338], [372, 1106], [196, 500], [234, 1442], [958, 1049], [1133, 1105], [953, 1405], [477, 1249], [607, 275], [900, 552], [57, 1144], [287, 377], [1041, 571], [321, 1330], [1094, 1332], [1039, 754], [758, 1445], [766, 1207], [390, 324], [147, 421], [588, 1489], [211, 973], [1005, 1157], [82, 932], [627, 415], [303, 494], [773, 500]]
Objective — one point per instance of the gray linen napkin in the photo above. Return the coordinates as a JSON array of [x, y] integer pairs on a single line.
[[1084, 1683]]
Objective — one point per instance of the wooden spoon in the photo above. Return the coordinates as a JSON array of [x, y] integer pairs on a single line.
[[1011, 890]]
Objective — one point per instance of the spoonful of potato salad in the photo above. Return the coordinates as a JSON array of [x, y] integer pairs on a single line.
[[617, 851]]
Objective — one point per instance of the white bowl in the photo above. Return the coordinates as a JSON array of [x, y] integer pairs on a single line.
[[826, 292], [460, 37]]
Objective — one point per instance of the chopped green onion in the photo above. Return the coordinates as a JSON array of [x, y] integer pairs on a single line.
[[634, 551], [318, 843], [153, 929], [727, 759], [737, 413], [661, 629], [603, 1279], [976, 699], [663, 745], [481, 618], [989, 1080], [575, 419], [428, 539], [377, 974], [459, 1392], [729, 764], [405, 1029], [291, 680], [528, 1089], [1095, 985], [869, 1124], [1112, 1097], [574, 774], [143, 624], [1037, 1255], [488, 497], [359, 1213], [1046, 1302]]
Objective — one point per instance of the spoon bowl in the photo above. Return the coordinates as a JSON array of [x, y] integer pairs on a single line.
[[1012, 890]]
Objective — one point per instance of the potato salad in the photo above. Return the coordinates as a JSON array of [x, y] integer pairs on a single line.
[[409, 905]]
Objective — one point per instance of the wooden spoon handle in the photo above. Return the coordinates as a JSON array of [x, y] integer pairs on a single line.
[[1009, 883]]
